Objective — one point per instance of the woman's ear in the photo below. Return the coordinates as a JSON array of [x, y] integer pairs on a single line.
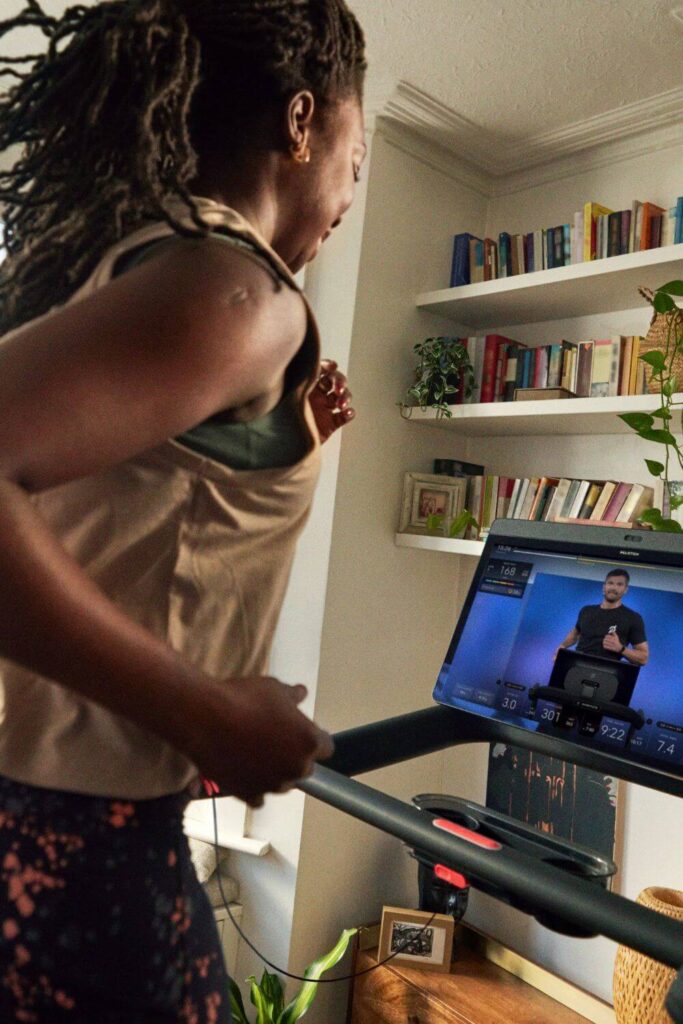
[[300, 110]]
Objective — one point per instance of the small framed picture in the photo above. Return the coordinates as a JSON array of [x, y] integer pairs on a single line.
[[427, 494], [416, 938]]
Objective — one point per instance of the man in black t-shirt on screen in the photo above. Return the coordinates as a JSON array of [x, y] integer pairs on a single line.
[[610, 629]]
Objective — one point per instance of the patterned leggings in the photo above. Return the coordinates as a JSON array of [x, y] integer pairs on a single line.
[[102, 918]]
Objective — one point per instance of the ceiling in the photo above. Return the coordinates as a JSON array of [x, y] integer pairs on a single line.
[[513, 82], [522, 67]]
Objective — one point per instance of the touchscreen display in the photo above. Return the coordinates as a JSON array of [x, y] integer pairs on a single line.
[[583, 649]]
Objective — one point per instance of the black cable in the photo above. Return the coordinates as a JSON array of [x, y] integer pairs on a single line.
[[280, 970]]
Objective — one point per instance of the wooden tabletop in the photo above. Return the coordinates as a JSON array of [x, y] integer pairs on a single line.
[[474, 991]]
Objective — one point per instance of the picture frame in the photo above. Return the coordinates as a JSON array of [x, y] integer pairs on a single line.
[[426, 494], [554, 796], [416, 938]]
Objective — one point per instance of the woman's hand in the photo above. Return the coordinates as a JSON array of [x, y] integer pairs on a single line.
[[250, 737], [330, 400]]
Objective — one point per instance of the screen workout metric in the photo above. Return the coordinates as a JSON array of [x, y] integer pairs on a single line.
[[511, 660], [506, 577]]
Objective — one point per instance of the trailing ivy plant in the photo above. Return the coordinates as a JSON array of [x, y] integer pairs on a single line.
[[268, 995], [442, 364], [659, 426]]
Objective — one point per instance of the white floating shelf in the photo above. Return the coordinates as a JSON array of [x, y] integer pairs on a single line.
[[597, 286], [429, 543], [555, 416]]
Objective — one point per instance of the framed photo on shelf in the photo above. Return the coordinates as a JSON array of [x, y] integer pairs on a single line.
[[417, 938], [426, 494]]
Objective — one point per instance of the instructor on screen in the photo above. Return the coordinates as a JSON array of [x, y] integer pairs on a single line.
[[610, 629]]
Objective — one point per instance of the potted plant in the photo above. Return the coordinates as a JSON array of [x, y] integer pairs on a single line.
[[666, 361], [443, 365], [268, 995]]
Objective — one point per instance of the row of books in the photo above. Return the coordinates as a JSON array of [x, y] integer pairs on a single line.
[[550, 498], [595, 232], [592, 368]]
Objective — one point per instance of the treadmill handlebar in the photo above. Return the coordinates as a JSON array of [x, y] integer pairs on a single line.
[[390, 741], [540, 885]]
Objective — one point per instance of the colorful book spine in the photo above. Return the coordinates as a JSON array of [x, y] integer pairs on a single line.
[[491, 344], [616, 502], [601, 368], [504, 254], [678, 229], [584, 369], [460, 267], [649, 213], [591, 212], [476, 260]]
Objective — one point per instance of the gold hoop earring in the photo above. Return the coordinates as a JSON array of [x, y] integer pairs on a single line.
[[301, 152]]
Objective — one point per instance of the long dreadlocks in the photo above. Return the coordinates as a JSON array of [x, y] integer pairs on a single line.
[[111, 117]]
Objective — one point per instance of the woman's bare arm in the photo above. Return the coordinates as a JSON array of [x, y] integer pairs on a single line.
[[153, 353]]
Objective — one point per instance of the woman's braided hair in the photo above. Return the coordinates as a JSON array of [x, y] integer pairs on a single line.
[[108, 119]]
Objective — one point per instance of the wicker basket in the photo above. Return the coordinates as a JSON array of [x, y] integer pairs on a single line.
[[641, 984], [656, 339]]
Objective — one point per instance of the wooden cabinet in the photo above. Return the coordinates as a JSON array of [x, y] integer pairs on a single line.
[[475, 992]]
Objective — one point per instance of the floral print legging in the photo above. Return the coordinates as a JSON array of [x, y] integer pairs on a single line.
[[102, 918]]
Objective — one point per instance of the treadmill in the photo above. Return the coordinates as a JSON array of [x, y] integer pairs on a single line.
[[523, 564]]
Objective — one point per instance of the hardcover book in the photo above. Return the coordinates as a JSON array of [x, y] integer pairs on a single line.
[[601, 369], [584, 369], [649, 212], [591, 212], [460, 267]]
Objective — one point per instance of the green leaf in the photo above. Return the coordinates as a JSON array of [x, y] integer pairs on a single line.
[[264, 1006], [676, 502], [461, 523], [650, 516], [637, 420], [434, 523], [669, 387], [237, 1010], [660, 436], [662, 413], [656, 468], [271, 986], [667, 526], [672, 288], [655, 359], [663, 303], [302, 1002]]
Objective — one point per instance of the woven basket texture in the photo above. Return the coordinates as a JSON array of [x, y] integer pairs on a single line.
[[640, 984], [656, 338]]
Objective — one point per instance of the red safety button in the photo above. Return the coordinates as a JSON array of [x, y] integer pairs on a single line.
[[453, 878], [467, 834]]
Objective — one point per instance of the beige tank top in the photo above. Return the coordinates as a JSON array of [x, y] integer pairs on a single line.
[[198, 553]]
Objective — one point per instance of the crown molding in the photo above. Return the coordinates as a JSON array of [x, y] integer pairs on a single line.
[[653, 141], [440, 159], [497, 156]]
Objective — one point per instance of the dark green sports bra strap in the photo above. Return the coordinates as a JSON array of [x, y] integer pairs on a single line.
[[235, 239]]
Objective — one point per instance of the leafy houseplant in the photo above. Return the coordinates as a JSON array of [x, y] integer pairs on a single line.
[[268, 995], [442, 364], [657, 426]]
